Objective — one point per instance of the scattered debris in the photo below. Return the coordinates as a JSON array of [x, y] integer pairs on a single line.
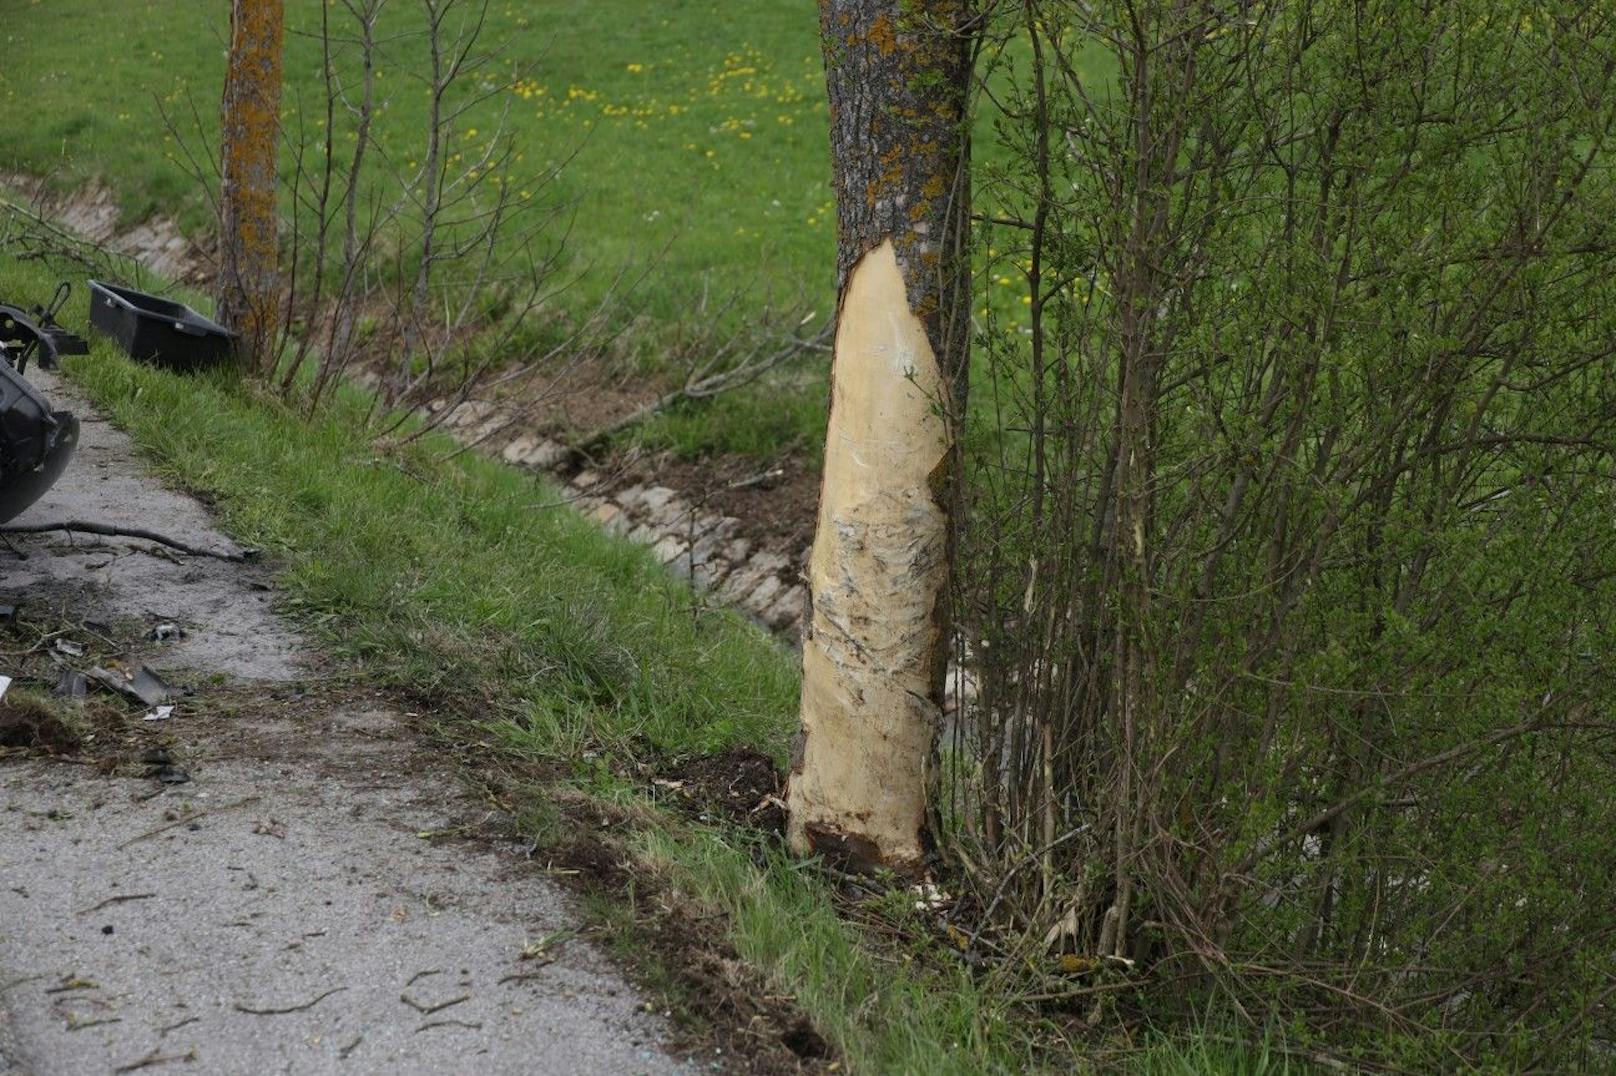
[[36, 333], [35, 442], [175, 1027], [188, 819], [543, 948], [70, 685], [73, 982], [75, 1022], [68, 648], [158, 331], [161, 713], [5, 685], [472, 1024], [741, 785], [29, 724], [272, 828], [166, 631], [154, 1058]]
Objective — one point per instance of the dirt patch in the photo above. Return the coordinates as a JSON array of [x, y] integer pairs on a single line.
[[761, 1029], [740, 786], [775, 501], [27, 724], [718, 999], [91, 210]]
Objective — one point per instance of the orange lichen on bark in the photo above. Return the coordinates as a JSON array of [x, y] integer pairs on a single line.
[[249, 123]]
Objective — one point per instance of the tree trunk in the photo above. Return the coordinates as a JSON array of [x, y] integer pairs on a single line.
[[874, 652], [249, 126]]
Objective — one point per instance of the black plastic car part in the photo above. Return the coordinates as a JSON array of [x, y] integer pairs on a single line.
[[34, 333], [157, 330], [35, 443]]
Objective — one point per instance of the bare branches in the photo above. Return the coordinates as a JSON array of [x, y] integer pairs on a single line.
[[1290, 502]]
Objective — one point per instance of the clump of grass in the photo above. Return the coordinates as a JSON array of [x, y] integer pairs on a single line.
[[33, 722]]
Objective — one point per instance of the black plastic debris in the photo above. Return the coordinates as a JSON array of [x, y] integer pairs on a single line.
[[35, 443], [157, 330], [35, 333], [163, 768]]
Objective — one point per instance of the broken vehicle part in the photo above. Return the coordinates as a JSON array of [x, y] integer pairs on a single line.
[[35, 442], [140, 684], [25, 335], [158, 331]]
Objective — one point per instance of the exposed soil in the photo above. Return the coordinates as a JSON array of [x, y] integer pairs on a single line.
[[775, 502], [722, 1002], [739, 786], [26, 725]]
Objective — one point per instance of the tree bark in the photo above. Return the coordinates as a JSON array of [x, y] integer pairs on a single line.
[[249, 127], [874, 652]]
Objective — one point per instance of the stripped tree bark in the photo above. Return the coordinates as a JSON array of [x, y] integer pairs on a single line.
[[874, 653], [249, 128]]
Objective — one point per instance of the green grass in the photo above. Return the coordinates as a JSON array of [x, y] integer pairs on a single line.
[[695, 127], [759, 422]]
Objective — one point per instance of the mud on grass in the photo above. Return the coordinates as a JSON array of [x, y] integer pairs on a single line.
[[31, 724]]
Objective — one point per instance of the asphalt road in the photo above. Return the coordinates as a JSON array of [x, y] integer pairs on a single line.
[[306, 903]]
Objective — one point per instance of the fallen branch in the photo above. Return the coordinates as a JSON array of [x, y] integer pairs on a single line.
[[188, 818], [155, 1058], [121, 898], [239, 1007], [108, 530], [428, 1010], [701, 386]]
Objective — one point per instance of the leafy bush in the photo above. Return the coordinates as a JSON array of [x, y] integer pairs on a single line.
[[1285, 580]]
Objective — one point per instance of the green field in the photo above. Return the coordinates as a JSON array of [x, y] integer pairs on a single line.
[[690, 138], [687, 143]]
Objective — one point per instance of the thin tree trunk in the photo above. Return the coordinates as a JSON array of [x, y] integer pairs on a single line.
[[874, 652], [249, 126]]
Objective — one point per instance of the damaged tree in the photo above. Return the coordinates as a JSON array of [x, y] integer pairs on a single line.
[[249, 124], [874, 653]]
